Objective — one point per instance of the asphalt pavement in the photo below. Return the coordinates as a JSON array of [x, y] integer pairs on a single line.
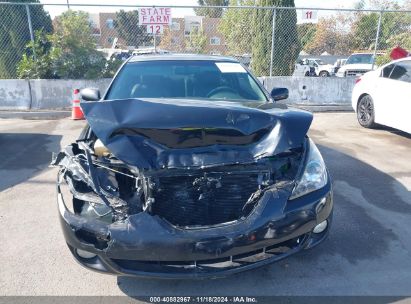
[[368, 251]]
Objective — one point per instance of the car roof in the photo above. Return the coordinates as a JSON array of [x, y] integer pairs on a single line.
[[402, 59], [180, 57], [397, 60]]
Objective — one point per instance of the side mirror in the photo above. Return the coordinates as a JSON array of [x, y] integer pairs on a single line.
[[279, 93], [90, 94]]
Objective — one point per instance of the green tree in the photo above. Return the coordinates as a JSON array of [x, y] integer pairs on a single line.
[[197, 41], [69, 53], [15, 34], [41, 67], [126, 24], [306, 33], [236, 29], [74, 51], [384, 5], [332, 35], [365, 28], [287, 46], [212, 12], [403, 40]]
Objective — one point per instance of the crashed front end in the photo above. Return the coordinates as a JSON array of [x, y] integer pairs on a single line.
[[208, 191]]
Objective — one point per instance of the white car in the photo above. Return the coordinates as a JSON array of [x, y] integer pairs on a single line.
[[321, 69], [383, 96]]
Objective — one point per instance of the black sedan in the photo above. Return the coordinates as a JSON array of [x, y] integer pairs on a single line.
[[189, 168]]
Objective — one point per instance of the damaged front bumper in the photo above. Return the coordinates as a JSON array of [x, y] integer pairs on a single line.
[[148, 246]]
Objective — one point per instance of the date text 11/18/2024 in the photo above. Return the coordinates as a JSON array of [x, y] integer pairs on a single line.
[[203, 299]]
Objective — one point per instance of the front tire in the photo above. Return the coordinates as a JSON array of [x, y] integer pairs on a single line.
[[324, 74], [365, 112]]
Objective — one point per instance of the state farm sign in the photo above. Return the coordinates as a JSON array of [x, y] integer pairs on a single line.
[[154, 15]]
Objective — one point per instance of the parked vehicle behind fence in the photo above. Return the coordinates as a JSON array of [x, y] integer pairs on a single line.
[[357, 64], [320, 67]]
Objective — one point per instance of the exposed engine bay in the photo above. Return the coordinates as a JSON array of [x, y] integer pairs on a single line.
[[111, 190]]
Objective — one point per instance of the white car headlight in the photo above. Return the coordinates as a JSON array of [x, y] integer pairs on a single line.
[[314, 176]]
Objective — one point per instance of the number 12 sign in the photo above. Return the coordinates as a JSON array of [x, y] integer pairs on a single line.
[[309, 15], [155, 29]]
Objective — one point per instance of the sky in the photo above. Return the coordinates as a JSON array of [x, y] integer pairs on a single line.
[[180, 12]]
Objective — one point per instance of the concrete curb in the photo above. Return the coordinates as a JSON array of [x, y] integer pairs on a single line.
[[35, 115], [60, 114], [56, 94]]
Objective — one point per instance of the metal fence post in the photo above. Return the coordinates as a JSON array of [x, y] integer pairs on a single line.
[[31, 29], [272, 42], [377, 37]]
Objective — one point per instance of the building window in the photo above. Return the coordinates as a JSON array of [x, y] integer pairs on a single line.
[[193, 27], [175, 40], [215, 41], [110, 23], [175, 26]]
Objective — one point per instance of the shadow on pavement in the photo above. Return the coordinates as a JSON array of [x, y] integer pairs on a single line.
[[356, 240], [393, 131], [23, 155]]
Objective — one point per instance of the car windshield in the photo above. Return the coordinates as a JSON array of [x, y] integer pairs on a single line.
[[191, 79], [360, 58]]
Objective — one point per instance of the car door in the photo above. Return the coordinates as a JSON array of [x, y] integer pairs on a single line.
[[392, 99], [381, 92], [401, 75]]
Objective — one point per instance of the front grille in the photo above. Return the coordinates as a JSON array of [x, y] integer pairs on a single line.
[[207, 198]]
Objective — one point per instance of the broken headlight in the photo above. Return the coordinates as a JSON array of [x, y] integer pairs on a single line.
[[96, 211], [314, 176]]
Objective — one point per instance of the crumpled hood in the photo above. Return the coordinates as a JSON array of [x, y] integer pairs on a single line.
[[154, 134]]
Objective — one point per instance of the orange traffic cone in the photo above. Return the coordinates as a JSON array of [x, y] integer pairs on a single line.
[[76, 112]]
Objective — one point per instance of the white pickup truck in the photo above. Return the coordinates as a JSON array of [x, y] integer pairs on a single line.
[[357, 64]]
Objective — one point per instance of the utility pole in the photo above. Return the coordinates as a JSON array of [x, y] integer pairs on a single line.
[[68, 4], [31, 30], [377, 36], [273, 42]]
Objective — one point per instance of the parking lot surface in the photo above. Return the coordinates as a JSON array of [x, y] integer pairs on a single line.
[[368, 251]]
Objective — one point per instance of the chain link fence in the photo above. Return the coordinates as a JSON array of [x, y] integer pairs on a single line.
[[86, 41]]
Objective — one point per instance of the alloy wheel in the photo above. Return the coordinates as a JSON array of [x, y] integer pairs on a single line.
[[365, 112]]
